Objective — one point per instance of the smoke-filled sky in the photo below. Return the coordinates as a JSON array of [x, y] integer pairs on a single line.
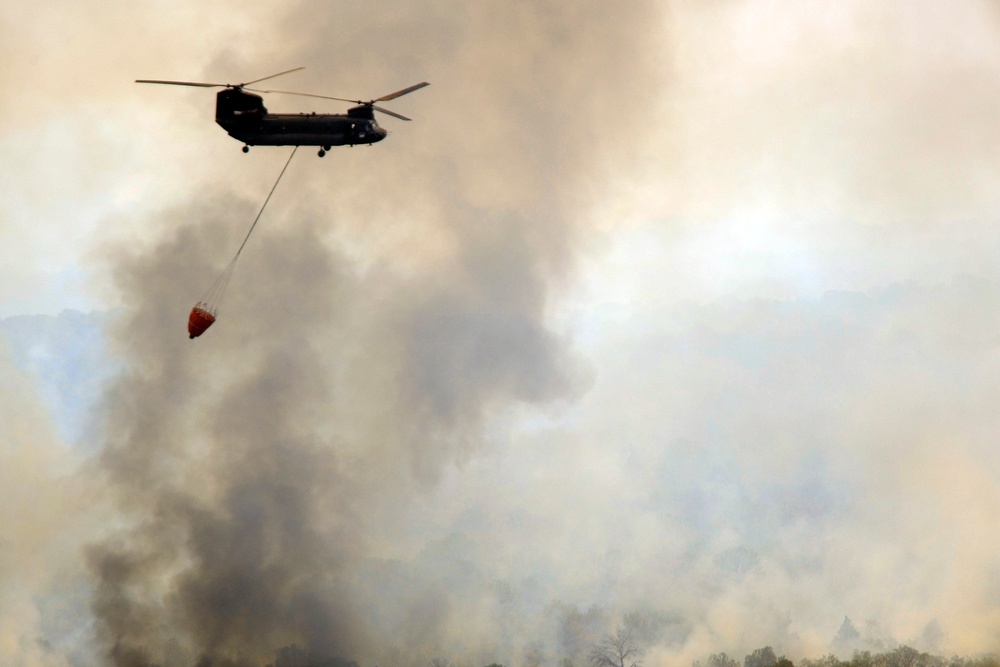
[[684, 312]]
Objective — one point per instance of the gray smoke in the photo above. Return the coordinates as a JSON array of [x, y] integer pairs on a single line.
[[379, 322], [681, 313]]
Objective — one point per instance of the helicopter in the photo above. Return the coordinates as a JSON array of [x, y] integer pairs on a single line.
[[243, 115]]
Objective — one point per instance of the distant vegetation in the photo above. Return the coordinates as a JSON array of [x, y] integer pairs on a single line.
[[903, 656], [621, 650], [618, 650], [626, 646]]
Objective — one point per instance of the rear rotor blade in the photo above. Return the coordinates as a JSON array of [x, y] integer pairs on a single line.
[[384, 98], [287, 71], [184, 83], [391, 113], [290, 92], [400, 93], [327, 97], [390, 96]]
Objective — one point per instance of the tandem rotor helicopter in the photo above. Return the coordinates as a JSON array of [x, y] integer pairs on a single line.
[[244, 116]]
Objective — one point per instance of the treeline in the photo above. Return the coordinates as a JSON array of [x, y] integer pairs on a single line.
[[903, 656], [622, 650]]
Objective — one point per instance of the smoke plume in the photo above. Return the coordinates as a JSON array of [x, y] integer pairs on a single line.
[[675, 316], [256, 467]]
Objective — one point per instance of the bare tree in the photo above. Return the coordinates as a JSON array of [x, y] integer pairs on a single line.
[[618, 650]]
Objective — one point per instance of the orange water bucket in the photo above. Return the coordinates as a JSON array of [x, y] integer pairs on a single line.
[[199, 320]]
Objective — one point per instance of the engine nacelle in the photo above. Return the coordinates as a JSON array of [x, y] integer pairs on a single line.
[[233, 104]]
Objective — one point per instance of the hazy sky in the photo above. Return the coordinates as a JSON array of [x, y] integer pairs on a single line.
[[682, 308]]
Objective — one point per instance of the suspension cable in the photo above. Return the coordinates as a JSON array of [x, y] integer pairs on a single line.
[[214, 294], [259, 213]]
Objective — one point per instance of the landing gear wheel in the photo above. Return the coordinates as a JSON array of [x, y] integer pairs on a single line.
[[321, 153], [246, 149]]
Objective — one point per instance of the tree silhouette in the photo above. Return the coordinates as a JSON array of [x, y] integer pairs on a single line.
[[718, 660], [762, 657], [618, 650]]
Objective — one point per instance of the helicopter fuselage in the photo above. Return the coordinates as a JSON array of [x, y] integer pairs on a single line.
[[244, 116]]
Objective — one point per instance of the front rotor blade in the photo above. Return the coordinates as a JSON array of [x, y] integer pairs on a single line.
[[183, 83], [287, 71], [391, 113], [400, 93]]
